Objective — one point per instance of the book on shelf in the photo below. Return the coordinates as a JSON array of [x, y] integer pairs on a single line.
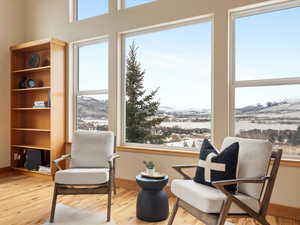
[[44, 169], [40, 104]]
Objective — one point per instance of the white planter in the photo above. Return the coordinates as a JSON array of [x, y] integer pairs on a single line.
[[150, 172]]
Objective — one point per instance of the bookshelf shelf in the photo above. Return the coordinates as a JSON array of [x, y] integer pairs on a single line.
[[25, 109], [33, 147], [37, 128], [30, 89], [23, 170], [32, 129], [37, 69]]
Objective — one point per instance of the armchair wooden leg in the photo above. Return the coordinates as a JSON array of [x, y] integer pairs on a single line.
[[261, 220], [114, 181], [175, 209], [224, 211], [115, 187], [109, 202], [53, 204]]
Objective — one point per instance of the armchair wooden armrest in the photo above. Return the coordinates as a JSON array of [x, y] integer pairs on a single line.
[[222, 183], [63, 157], [111, 159], [179, 168], [231, 196]]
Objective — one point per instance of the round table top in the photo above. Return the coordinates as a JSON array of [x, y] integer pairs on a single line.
[[153, 184], [155, 180]]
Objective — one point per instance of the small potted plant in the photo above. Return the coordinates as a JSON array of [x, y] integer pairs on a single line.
[[150, 167]]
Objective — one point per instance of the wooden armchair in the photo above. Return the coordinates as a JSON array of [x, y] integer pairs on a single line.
[[213, 205], [92, 168]]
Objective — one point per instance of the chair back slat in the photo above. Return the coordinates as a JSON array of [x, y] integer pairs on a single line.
[[91, 149], [254, 157], [276, 158]]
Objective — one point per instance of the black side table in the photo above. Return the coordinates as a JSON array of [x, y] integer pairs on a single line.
[[152, 202]]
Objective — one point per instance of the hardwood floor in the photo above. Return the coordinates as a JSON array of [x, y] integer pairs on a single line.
[[25, 200]]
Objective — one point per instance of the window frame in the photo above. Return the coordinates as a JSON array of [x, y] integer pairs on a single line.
[[73, 11], [76, 92], [233, 83], [122, 74]]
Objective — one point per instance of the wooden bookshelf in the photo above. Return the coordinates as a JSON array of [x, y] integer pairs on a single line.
[[41, 129]]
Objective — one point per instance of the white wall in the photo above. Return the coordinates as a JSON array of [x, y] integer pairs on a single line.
[[286, 191], [49, 18], [11, 32]]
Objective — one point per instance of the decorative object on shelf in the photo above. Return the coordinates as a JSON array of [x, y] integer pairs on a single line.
[[22, 83], [156, 175], [49, 99], [19, 158], [150, 167], [39, 104], [33, 159], [45, 60], [31, 83], [34, 60], [41, 83]]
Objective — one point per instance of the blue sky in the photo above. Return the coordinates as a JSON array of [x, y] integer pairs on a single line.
[[132, 3], [178, 60], [268, 46], [91, 8], [93, 67], [178, 63]]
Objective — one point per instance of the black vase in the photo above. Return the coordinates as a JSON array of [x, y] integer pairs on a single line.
[[22, 83]]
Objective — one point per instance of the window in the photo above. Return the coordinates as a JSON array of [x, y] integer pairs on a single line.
[[91, 85], [267, 78], [132, 3], [90, 8], [168, 86]]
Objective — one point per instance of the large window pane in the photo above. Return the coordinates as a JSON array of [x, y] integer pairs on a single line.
[[93, 67], [267, 45], [168, 86], [132, 3], [272, 113], [91, 8], [92, 112]]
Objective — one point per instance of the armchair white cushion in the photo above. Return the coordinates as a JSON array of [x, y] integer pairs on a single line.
[[254, 158], [208, 199], [82, 176], [91, 149]]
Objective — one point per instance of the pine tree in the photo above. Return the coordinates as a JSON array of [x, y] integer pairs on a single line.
[[141, 108], [295, 140], [194, 144], [185, 144]]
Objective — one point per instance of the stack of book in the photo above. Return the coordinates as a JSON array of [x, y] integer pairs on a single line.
[[44, 169], [39, 104]]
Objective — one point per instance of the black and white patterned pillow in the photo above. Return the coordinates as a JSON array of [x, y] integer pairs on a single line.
[[215, 166]]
